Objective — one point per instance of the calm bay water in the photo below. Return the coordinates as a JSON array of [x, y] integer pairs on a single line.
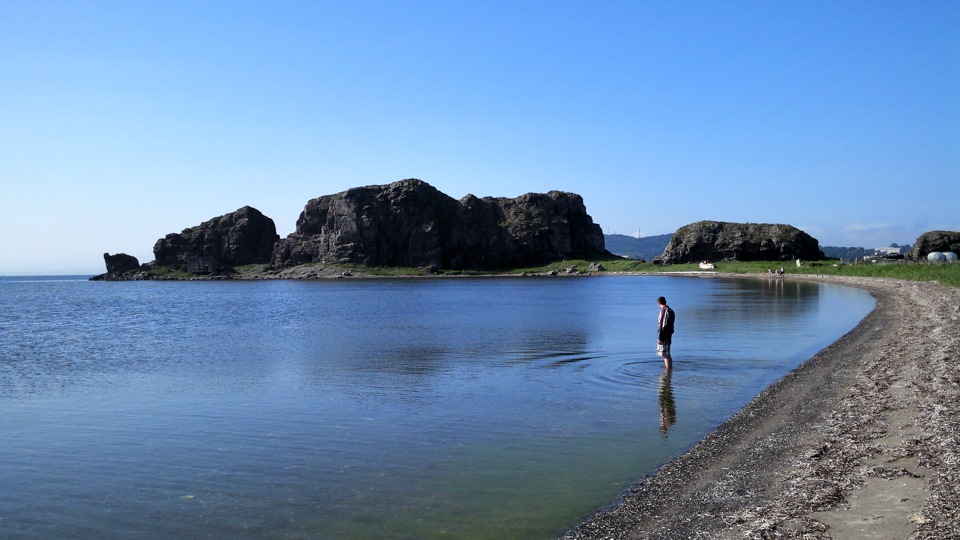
[[403, 408]]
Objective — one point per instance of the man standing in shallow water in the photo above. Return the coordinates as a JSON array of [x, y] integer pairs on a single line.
[[665, 331]]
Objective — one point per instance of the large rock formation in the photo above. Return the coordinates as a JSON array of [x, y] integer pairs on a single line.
[[935, 241], [120, 267], [411, 223], [720, 241], [120, 264], [242, 237], [529, 230]]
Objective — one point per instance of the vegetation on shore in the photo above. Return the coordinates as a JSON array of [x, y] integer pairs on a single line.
[[947, 274], [166, 272]]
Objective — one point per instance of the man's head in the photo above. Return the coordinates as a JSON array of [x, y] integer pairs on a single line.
[[662, 301]]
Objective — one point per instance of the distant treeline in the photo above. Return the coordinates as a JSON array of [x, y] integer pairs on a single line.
[[648, 247]]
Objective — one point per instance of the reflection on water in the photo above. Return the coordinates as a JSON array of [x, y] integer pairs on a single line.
[[668, 407], [483, 408]]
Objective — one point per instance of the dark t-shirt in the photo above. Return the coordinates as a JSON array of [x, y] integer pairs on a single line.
[[667, 329]]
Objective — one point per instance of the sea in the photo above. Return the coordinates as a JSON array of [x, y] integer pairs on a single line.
[[436, 408]]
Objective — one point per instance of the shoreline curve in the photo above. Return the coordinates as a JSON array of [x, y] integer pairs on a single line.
[[859, 441]]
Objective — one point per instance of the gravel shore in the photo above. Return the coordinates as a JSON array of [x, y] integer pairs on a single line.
[[861, 441]]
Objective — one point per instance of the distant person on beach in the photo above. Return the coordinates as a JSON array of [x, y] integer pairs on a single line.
[[665, 331]]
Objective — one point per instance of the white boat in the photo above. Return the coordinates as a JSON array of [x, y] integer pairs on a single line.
[[704, 265]]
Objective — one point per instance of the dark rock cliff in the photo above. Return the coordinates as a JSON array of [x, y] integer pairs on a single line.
[[120, 264], [396, 225], [720, 241], [528, 230], [120, 267], [242, 237], [411, 223], [931, 241]]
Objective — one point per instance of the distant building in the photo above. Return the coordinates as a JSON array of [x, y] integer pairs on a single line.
[[885, 251], [884, 254]]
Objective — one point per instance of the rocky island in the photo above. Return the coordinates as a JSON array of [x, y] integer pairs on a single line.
[[404, 224], [413, 226]]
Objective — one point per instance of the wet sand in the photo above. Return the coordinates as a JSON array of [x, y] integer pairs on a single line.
[[861, 441]]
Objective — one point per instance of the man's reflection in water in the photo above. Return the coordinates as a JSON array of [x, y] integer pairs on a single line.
[[668, 409]]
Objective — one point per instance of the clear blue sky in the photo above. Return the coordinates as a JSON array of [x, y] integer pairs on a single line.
[[124, 121]]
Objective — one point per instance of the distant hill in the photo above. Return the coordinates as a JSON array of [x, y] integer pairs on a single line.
[[645, 248]]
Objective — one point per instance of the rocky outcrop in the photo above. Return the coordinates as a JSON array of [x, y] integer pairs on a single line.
[[120, 267], [242, 237], [935, 241], [411, 223], [529, 230], [120, 264], [396, 225], [720, 241]]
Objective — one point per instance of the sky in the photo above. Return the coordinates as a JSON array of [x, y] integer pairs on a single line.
[[121, 122]]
